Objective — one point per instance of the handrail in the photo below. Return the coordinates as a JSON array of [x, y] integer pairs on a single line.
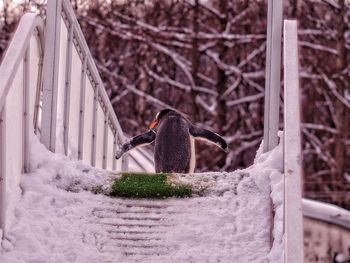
[[14, 159], [16, 51], [329, 213]]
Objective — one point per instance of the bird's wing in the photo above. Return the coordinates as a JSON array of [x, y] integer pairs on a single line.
[[137, 141], [209, 136]]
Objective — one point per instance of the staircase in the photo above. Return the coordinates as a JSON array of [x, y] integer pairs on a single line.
[[51, 87], [136, 229], [231, 221]]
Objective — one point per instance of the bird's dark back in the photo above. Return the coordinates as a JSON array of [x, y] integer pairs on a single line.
[[172, 146]]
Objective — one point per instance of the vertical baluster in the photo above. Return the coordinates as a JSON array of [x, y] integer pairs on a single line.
[[50, 74], [67, 85], [105, 140], [293, 218], [26, 111], [82, 110], [114, 161], [2, 169], [125, 162], [38, 99], [273, 69], [94, 126]]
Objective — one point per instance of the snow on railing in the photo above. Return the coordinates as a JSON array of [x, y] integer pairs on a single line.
[[20, 75], [293, 218]]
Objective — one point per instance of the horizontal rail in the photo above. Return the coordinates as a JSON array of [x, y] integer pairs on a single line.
[[329, 213], [16, 51]]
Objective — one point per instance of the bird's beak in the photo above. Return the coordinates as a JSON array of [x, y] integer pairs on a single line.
[[153, 124]]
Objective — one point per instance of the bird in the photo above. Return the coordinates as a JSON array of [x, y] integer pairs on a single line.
[[174, 136]]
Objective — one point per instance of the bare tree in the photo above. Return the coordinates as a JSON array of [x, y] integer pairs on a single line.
[[325, 74]]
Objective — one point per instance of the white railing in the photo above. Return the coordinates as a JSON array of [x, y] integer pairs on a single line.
[[328, 231], [332, 214], [272, 75], [78, 118], [20, 75], [58, 92], [293, 218]]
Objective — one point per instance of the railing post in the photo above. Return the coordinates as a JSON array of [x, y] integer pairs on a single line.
[[273, 68], [105, 140], [114, 162], [26, 110], [2, 171], [125, 162], [94, 126], [82, 109], [50, 73], [293, 220], [67, 86]]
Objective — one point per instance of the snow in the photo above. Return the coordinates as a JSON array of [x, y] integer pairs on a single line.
[[243, 209], [59, 218]]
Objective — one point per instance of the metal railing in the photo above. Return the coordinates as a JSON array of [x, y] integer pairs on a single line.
[[20, 75], [78, 118], [50, 84], [329, 213], [272, 75], [293, 218], [327, 231]]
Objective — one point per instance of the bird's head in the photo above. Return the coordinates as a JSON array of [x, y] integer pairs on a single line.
[[159, 116]]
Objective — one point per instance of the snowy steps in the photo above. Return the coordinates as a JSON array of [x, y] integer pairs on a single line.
[[222, 224], [135, 228]]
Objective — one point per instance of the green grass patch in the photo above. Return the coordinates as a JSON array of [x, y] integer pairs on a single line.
[[140, 185]]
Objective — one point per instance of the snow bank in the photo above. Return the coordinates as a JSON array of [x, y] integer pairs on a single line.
[[59, 171], [267, 171], [231, 223], [238, 226], [49, 223]]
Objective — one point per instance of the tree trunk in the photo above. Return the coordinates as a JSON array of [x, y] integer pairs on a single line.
[[342, 113], [221, 74], [222, 81], [195, 60]]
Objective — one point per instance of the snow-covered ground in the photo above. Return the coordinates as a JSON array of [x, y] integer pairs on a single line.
[[59, 218]]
